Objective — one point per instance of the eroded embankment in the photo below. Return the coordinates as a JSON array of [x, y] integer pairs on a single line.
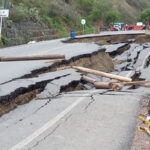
[[112, 39], [129, 57], [97, 60]]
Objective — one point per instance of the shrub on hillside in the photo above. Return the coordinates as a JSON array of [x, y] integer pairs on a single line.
[[145, 16], [112, 17], [23, 13], [100, 11], [137, 3], [61, 9], [4, 40], [18, 13], [85, 6]]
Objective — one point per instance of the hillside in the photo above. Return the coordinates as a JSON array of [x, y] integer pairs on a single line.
[[132, 8], [62, 15], [47, 10]]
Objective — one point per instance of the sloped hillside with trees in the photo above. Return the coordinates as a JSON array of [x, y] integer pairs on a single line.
[[63, 15], [72, 11]]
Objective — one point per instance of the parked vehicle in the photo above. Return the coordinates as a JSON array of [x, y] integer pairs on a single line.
[[121, 27], [118, 26], [139, 26]]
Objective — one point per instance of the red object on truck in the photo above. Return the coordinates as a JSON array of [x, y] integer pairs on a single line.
[[112, 29], [126, 27], [138, 27]]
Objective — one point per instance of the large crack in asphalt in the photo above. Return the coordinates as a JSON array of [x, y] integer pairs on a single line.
[[88, 60], [23, 95], [90, 103], [52, 132], [112, 39], [53, 67], [20, 91], [48, 135], [33, 90]]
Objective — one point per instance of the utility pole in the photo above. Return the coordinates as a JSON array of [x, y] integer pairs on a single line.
[[1, 21], [4, 12]]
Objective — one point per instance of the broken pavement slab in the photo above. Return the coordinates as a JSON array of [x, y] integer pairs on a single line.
[[100, 115], [22, 85], [124, 56], [142, 58], [53, 88], [145, 73], [115, 48], [42, 48]]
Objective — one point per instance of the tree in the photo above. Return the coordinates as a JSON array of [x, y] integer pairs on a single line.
[[112, 17], [145, 16]]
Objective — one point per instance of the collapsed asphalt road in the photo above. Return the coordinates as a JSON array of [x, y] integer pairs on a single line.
[[63, 112]]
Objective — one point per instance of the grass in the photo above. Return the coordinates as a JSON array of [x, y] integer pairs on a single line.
[[64, 16]]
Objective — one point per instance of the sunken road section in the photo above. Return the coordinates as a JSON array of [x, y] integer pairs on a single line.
[[124, 58], [112, 39], [50, 82]]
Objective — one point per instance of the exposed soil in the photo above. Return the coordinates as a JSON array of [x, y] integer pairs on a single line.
[[142, 140], [27, 97], [112, 39], [98, 60], [19, 100], [120, 50]]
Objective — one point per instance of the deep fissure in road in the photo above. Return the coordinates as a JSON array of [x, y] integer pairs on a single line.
[[112, 39], [99, 60]]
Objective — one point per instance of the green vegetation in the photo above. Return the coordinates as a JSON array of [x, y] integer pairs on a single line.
[[64, 15], [145, 16], [112, 17], [4, 40], [49, 11], [140, 4], [26, 38]]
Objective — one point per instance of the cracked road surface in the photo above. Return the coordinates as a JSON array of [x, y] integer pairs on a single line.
[[79, 120], [10, 69], [76, 120]]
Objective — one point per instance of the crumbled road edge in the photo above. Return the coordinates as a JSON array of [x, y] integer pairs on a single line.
[[142, 140]]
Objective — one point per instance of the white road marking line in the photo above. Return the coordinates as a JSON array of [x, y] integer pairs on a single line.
[[49, 124]]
